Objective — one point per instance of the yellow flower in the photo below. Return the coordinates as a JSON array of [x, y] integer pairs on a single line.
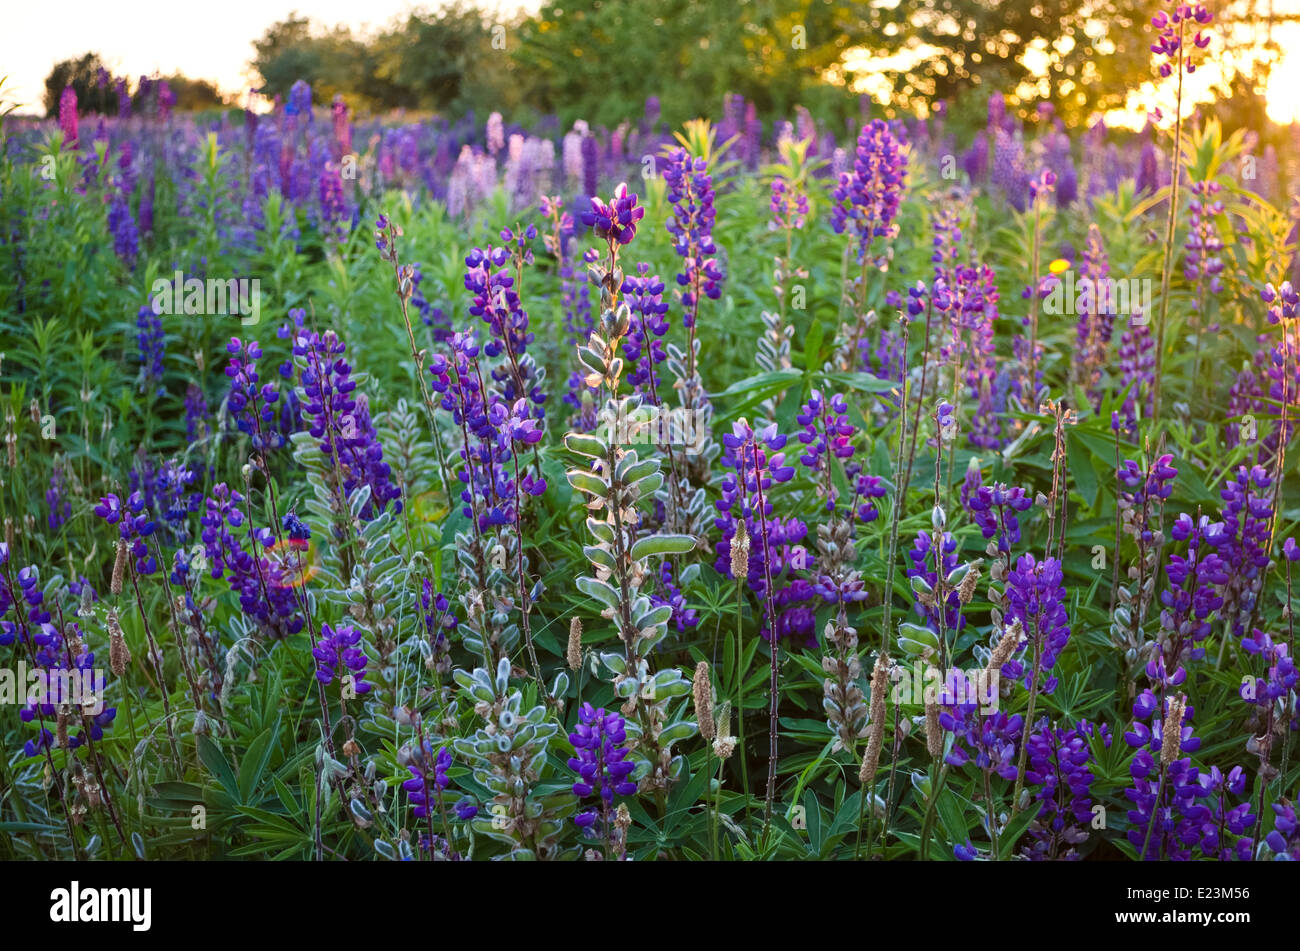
[[1059, 266]]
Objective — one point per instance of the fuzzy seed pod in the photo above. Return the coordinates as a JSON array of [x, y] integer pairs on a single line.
[[966, 590], [740, 552], [1007, 646], [702, 689], [119, 568], [933, 730], [876, 737], [574, 653], [1171, 741], [9, 533], [724, 746], [118, 654]]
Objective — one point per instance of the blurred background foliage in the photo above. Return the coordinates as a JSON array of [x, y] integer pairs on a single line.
[[597, 59]]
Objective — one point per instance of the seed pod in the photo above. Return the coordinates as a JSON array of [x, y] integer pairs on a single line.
[[740, 552], [118, 653], [1007, 646], [574, 653], [119, 568], [1171, 741], [702, 689], [876, 738], [933, 730]]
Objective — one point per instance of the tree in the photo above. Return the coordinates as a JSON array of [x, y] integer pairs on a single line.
[[88, 78]]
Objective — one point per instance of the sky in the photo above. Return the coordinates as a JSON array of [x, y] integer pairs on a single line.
[[214, 41]]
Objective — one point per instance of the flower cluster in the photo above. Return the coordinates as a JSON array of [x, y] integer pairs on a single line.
[[1036, 598], [600, 761], [1170, 47], [1058, 764], [134, 524], [339, 419], [250, 404], [867, 199], [338, 647]]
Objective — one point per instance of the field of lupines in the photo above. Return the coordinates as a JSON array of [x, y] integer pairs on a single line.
[[439, 490]]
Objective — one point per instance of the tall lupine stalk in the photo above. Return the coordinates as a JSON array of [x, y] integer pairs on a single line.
[[1039, 190], [386, 235], [827, 437], [616, 479], [1140, 504], [789, 207], [507, 756], [484, 552], [691, 193], [866, 202], [1202, 264], [1171, 44], [1097, 322]]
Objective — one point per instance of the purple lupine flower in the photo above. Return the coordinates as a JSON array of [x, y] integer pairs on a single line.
[[600, 761], [642, 347], [151, 344], [121, 225], [1203, 265], [1195, 581], [339, 647], [988, 740], [1246, 542], [1010, 172], [690, 193], [684, 616], [342, 128], [134, 525], [1213, 818], [265, 586], [57, 656], [249, 404], [196, 414], [1174, 828], [1171, 49], [1284, 840], [615, 221], [1096, 321], [68, 117], [994, 508], [1058, 760], [1137, 364], [428, 778], [1283, 302], [1036, 598], [867, 199], [333, 209], [1279, 677], [341, 420], [827, 433], [789, 205], [299, 102], [923, 571], [589, 152], [56, 498], [776, 548]]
